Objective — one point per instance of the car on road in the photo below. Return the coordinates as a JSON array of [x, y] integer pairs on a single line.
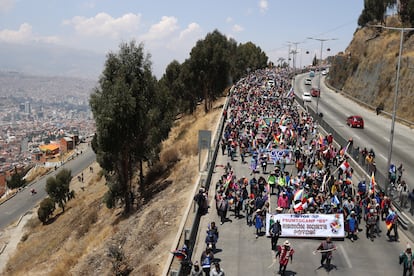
[[311, 74], [315, 92], [355, 121], [324, 72], [308, 81], [306, 97]]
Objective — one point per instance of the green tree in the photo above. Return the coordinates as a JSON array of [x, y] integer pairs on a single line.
[[248, 55], [133, 114], [210, 60], [172, 82], [374, 11], [58, 187], [16, 180], [46, 209], [406, 12], [315, 61]]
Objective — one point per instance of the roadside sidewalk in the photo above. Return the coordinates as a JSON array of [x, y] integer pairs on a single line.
[[10, 237]]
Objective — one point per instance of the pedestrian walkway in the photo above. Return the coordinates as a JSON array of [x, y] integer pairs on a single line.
[[313, 172]]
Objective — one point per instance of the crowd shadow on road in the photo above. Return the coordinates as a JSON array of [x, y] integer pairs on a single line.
[[328, 268]]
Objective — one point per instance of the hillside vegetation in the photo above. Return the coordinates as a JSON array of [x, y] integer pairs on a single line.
[[90, 239], [367, 69]]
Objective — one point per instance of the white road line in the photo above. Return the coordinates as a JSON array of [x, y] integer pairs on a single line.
[[348, 261], [383, 156]]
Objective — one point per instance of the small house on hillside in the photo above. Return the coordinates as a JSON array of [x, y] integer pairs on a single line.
[[46, 152]]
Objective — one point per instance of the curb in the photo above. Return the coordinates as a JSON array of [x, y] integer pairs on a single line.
[[4, 247]]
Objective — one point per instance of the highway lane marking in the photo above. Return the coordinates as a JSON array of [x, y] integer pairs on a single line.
[[348, 261], [383, 156]]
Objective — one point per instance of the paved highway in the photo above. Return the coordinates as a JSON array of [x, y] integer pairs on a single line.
[[240, 253], [376, 133], [17, 206]]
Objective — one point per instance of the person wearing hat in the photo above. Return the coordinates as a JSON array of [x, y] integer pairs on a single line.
[[258, 222], [284, 253], [407, 259]]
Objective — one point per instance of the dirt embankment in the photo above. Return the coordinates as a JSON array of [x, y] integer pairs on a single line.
[[89, 239], [367, 69]]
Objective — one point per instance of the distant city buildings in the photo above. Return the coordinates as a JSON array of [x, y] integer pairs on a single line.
[[40, 123]]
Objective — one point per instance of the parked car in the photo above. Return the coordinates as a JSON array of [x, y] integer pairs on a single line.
[[355, 121], [308, 81], [315, 92], [306, 97]]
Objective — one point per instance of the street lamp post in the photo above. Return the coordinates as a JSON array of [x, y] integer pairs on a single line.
[[322, 40], [294, 52], [397, 81]]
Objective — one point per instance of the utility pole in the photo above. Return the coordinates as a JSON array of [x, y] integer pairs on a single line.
[[394, 108], [322, 40]]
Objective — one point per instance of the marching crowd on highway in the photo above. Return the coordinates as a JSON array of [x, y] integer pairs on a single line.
[[290, 159]]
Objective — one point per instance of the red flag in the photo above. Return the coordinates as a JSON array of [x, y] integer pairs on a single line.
[[345, 166]]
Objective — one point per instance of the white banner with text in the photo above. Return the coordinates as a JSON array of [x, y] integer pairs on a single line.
[[308, 225]]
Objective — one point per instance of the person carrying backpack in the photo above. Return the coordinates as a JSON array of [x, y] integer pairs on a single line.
[[406, 259]]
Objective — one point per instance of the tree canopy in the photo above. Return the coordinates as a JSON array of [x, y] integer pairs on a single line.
[[58, 187], [375, 10], [214, 63], [133, 115], [134, 112]]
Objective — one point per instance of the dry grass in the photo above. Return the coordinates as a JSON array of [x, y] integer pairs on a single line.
[[370, 75], [79, 241]]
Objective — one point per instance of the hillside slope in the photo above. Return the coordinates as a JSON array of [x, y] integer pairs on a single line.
[[367, 69], [89, 239]]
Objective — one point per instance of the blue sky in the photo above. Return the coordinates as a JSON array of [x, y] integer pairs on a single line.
[[169, 29]]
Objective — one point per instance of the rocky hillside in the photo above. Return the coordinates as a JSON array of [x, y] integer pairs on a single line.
[[367, 69]]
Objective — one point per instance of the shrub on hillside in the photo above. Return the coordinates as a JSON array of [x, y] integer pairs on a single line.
[[46, 209], [170, 156]]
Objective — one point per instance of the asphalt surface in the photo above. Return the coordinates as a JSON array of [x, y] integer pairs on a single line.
[[376, 133], [12, 209], [241, 253]]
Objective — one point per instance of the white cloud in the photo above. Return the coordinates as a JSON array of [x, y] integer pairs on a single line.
[[237, 28], [105, 25], [6, 5], [263, 5], [24, 35], [191, 29], [176, 46], [229, 19], [163, 29]]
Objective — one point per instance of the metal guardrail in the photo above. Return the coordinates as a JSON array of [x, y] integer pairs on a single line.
[[357, 158], [348, 95], [188, 236]]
